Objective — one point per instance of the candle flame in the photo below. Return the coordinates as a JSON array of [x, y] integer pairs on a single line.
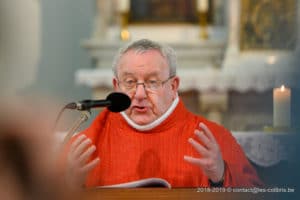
[[282, 88]]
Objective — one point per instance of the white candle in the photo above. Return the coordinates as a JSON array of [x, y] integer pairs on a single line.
[[123, 5], [281, 107], [202, 5]]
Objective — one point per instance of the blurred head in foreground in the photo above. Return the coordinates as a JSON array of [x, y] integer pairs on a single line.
[[28, 168]]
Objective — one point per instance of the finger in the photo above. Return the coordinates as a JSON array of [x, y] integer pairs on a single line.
[[207, 132], [84, 157], [76, 142], [201, 162], [81, 147], [199, 148], [192, 160], [203, 138], [90, 165], [207, 167]]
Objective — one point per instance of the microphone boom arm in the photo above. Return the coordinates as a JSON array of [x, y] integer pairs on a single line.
[[85, 115]]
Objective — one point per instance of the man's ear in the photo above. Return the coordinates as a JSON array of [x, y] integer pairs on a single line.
[[115, 84], [175, 84]]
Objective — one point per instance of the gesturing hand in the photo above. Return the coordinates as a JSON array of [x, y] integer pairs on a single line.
[[211, 161], [77, 166]]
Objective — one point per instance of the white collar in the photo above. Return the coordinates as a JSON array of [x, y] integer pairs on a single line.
[[156, 122]]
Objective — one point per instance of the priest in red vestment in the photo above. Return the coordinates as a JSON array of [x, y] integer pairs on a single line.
[[156, 136]]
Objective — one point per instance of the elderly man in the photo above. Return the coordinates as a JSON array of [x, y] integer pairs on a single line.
[[156, 136]]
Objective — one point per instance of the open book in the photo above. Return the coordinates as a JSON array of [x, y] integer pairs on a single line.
[[147, 182]]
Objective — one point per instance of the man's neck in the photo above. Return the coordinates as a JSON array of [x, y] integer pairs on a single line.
[[156, 122]]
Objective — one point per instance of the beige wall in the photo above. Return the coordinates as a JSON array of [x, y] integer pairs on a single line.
[[19, 43]]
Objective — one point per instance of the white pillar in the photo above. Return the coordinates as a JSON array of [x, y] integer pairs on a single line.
[[101, 19], [234, 26], [232, 51]]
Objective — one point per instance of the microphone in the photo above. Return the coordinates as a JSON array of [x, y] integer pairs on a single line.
[[115, 102]]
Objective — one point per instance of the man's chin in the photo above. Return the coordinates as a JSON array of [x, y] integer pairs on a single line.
[[141, 122], [140, 118]]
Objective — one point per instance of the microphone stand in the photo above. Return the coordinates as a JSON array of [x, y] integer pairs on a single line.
[[85, 115]]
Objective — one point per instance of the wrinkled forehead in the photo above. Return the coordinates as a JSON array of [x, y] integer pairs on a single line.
[[155, 53], [150, 62]]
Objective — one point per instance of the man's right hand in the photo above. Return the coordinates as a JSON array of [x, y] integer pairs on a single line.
[[77, 166]]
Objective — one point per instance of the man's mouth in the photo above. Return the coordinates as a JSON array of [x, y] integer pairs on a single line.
[[139, 108]]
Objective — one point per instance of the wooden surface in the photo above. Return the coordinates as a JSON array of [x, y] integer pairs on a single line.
[[174, 194]]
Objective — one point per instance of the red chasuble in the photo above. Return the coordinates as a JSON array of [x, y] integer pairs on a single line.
[[129, 155]]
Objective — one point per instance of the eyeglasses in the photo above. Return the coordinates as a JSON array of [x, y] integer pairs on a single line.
[[131, 85]]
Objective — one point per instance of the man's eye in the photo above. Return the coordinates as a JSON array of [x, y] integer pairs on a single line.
[[152, 82], [130, 82]]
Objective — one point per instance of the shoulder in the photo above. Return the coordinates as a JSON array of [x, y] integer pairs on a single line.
[[192, 120]]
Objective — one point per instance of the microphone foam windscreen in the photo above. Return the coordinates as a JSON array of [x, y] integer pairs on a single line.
[[119, 101]]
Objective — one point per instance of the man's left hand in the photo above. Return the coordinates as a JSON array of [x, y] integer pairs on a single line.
[[211, 161]]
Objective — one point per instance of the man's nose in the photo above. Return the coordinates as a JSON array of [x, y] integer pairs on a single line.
[[140, 91]]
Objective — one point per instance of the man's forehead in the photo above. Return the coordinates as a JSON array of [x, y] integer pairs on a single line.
[[147, 57], [134, 73]]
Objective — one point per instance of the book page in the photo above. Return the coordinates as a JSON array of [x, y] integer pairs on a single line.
[[148, 182]]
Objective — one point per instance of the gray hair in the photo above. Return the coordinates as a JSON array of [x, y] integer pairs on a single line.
[[143, 45]]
